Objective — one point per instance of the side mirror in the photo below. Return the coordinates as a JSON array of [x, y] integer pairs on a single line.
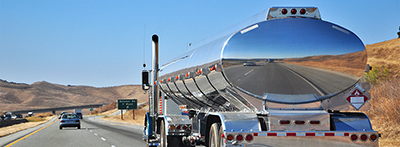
[[145, 80]]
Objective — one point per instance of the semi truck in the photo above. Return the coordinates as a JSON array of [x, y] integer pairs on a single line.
[[312, 94], [78, 112]]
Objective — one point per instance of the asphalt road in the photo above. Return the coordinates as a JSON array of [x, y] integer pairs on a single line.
[[289, 79], [93, 132]]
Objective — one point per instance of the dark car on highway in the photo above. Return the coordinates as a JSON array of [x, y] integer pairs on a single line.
[[8, 117], [70, 120], [18, 115], [249, 64]]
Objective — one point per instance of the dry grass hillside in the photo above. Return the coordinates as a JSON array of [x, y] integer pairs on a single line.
[[18, 96], [384, 57], [384, 53]]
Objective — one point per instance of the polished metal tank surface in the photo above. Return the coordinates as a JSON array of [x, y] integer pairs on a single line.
[[291, 60]]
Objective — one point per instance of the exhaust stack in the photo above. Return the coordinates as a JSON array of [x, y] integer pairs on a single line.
[[154, 94]]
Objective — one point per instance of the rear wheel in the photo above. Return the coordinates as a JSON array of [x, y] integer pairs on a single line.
[[163, 134], [215, 139], [60, 128], [79, 127]]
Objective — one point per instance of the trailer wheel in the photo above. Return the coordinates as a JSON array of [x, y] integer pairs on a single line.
[[215, 136]]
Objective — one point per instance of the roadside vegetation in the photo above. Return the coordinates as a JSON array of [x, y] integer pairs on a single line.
[[385, 110], [384, 57], [39, 117], [107, 110], [34, 121]]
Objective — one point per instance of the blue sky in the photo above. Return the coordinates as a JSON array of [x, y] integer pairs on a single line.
[[101, 43]]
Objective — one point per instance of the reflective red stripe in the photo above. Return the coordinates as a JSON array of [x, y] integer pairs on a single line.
[[329, 134], [310, 134], [299, 134]]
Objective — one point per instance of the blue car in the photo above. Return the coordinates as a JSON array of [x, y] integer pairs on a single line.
[[70, 120], [7, 117]]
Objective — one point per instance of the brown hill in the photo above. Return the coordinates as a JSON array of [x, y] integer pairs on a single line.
[[385, 56], [387, 52], [18, 96]]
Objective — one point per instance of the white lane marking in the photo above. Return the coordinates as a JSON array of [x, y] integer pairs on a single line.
[[113, 146], [90, 130], [248, 72], [308, 82], [95, 134], [103, 139]]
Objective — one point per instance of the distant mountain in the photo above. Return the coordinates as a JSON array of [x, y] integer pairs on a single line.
[[20, 96]]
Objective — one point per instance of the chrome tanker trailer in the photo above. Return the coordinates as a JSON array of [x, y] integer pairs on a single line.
[[283, 77]]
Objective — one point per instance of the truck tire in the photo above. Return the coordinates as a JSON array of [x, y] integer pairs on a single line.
[[215, 139], [163, 135]]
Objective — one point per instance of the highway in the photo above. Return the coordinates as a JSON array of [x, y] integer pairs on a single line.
[[288, 79], [93, 132]]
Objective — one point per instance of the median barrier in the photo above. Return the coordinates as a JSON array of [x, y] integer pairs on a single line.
[[5, 123]]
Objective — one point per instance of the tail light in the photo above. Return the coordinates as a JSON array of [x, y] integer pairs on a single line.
[[77, 121], [249, 137], [172, 127], [284, 11], [184, 127], [299, 122], [229, 137], [293, 11], [373, 137], [303, 11], [284, 122], [62, 121], [239, 137], [315, 122], [178, 127], [353, 137], [363, 137]]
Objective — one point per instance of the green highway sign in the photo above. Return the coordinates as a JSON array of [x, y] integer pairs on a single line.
[[127, 104]]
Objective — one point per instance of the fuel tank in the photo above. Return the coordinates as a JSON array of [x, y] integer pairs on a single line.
[[286, 61]]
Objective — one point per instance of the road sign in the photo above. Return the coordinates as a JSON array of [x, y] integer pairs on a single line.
[[357, 99], [127, 104]]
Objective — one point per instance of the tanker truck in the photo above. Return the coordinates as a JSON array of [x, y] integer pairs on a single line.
[[312, 94]]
